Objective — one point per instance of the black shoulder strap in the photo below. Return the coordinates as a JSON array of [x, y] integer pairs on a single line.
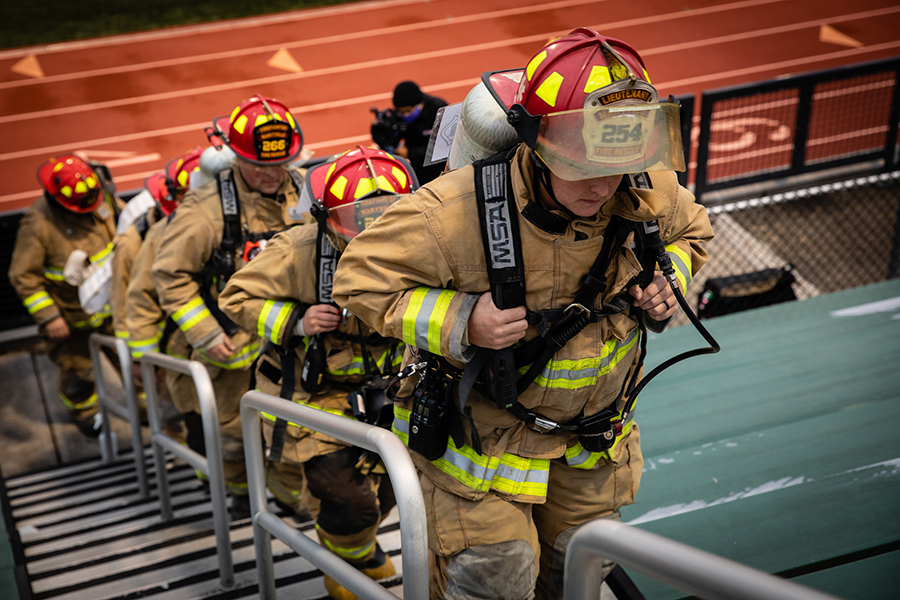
[[142, 225], [231, 210], [326, 263], [499, 218]]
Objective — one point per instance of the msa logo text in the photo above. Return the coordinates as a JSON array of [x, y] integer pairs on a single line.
[[326, 280], [500, 231]]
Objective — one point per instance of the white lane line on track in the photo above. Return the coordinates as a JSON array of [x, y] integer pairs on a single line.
[[434, 54], [331, 39], [709, 77], [188, 30], [428, 24], [198, 127]]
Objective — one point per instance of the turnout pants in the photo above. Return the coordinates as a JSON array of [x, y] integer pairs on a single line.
[[348, 502], [494, 548], [72, 356]]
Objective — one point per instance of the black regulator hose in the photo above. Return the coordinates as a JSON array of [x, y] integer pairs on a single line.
[[668, 269]]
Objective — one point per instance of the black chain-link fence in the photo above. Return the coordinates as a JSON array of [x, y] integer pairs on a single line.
[[810, 241]]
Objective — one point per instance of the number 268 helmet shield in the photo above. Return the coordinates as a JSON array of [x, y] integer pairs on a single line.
[[585, 105]]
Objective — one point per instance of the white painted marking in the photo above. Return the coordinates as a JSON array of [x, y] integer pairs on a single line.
[[889, 305], [890, 467]]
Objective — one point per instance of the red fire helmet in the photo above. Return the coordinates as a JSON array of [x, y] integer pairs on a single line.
[[586, 106], [357, 186], [262, 131], [72, 182]]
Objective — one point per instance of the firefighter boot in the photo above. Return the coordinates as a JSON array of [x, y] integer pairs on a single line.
[[378, 567]]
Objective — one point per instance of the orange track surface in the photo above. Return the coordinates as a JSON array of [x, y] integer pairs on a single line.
[[135, 101]]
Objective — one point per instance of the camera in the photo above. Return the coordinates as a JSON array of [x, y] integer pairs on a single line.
[[388, 129]]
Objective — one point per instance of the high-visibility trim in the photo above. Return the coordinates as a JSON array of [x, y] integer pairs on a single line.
[[272, 317], [138, 348], [95, 320], [346, 553], [424, 317], [101, 257], [91, 401], [36, 302], [549, 89], [575, 374], [599, 77], [508, 473], [191, 313], [682, 262], [358, 367], [122, 335], [534, 63], [333, 411], [238, 360], [54, 273]]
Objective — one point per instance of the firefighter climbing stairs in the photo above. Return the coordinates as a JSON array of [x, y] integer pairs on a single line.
[[85, 532]]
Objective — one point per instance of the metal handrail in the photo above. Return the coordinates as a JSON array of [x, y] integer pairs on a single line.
[[129, 412], [410, 504], [687, 568], [210, 465]]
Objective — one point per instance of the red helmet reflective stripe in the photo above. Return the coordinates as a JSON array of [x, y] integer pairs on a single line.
[[262, 131], [72, 182]]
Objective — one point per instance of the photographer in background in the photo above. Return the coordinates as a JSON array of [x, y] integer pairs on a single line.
[[406, 129]]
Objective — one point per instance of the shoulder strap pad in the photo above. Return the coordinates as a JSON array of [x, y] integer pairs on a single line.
[[326, 262], [296, 179], [231, 209], [498, 215]]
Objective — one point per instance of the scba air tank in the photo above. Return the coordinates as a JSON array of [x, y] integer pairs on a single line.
[[482, 130]]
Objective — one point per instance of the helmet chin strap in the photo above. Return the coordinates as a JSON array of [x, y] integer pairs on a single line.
[[542, 177]]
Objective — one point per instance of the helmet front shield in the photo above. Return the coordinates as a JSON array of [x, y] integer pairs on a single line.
[[613, 140], [349, 220]]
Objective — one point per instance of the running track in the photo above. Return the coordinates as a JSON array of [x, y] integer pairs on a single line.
[[135, 101]]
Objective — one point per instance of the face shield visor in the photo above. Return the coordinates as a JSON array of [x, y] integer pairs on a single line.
[[347, 221], [614, 140]]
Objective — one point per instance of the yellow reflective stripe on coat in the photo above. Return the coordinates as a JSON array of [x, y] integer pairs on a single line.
[[191, 313], [346, 553], [272, 317], [138, 348], [101, 257], [95, 320], [91, 401], [508, 473], [238, 360], [682, 262], [333, 411], [36, 302], [424, 317], [358, 367], [576, 374], [54, 273], [122, 335]]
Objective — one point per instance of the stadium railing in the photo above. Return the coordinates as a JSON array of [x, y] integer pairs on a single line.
[[687, 568], [210, 465], [108, 404], [410, 503]]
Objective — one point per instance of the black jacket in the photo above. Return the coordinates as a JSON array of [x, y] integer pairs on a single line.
[[417, 135]]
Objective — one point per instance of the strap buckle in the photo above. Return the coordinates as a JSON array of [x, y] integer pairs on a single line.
[[542, 425], [411, 369]]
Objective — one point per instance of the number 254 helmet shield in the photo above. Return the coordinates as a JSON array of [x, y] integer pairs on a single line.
[[585, 105]]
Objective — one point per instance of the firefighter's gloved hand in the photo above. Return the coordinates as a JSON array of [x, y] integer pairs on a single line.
[[490, 327], [320, 318], [657, 299], [57, 328], [222, 352]]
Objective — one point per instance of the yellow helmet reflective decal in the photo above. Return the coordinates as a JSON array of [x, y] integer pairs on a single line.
[[535, 63], [548, 90]]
